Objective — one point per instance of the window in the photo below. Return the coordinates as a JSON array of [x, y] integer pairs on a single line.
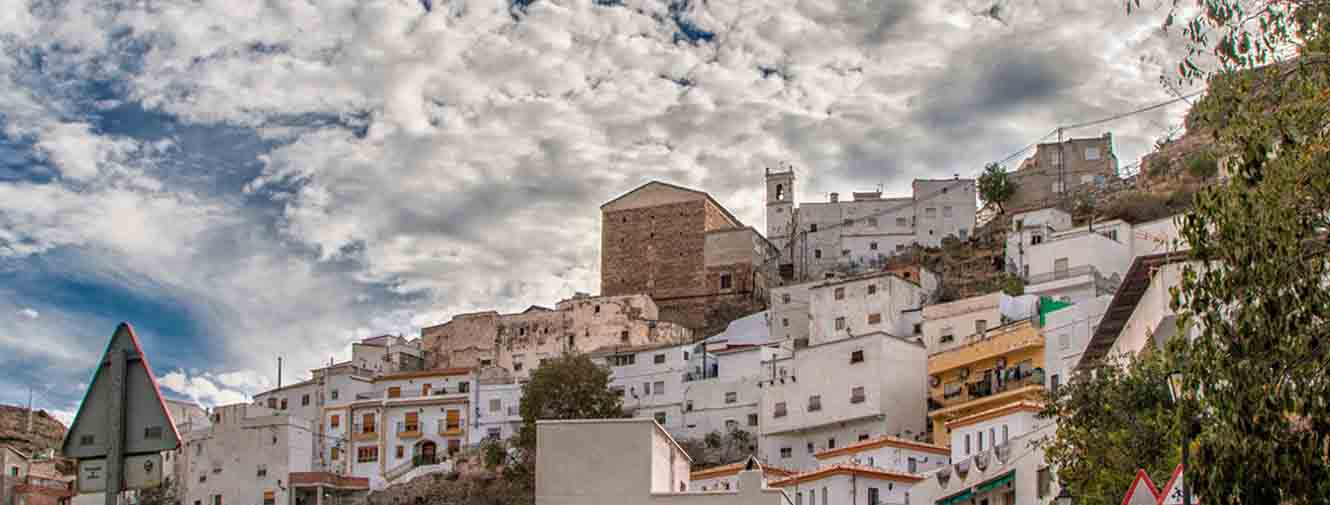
[[799, 498], [425, 389], [930, 212], [217, 499], [400, 452], [731, 397], [844, 252], [900, 247], [857, 395], [946, 211], [872, 289], [367, 424], [913, 465], [335, 421], [840, 323], [658, 359], [812, 227], [1054, 383], [786, 452], [623, 336], [812, 497], [872, 221], [517, 366], [1060, 266], [847, 222], [785, 322], [840, 293], [872, 246], [496, 404], [283, 403], [863, 437], [622, 359], [367, 454], [963, 233], [873, 498], [333, 394], [946, 337], [203, 478], [779, 410], [393, 392], [494, 433], [967, 444], [857, 356], [336, 453], [269, 498], [875, 319], [824, 495], [660, 388], [272, 403], [1036, 239], [731, 425], [752, 419], [1004, 434], [464, 387], [902, 222], [452, 420], [688, 406], [981, 440], [726, 281], [992, 437], [1091, 153], [815, 403], [831, 443], [810, 448], [780, 193], [1045, 480], [304, 400], [411, 423], [596, 310], [980, 326], [817, 253], [785, 298]]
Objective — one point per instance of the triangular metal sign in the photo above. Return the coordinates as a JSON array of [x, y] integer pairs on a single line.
[[1142, 491], [147, 424], [1171, 494]]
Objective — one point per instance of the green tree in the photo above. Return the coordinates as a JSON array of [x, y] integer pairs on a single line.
[[1111, 423], [568, 387], [1255, 293], [996, 186]]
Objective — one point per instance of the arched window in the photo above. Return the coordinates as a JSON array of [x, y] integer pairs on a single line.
[[780, 192]]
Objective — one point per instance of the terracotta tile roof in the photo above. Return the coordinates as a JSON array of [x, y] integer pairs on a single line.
[[423, 373], [1020, 406], [734, 468], [884, 441], [862, 471]]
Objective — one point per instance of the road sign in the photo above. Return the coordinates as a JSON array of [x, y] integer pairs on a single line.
[[123, 420], [1142, 491], [1172, 492], [141, 472]]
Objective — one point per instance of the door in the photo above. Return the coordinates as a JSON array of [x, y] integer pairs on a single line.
[[428, 452]]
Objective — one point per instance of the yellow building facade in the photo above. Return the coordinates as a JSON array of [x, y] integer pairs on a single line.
[[992, 369]]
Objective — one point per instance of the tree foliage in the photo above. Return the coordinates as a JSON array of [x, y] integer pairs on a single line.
[[568, 387], [1256, 291], [996, 186], [1112, 423]]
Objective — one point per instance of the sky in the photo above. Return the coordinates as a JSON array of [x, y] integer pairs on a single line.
[[242, 180]]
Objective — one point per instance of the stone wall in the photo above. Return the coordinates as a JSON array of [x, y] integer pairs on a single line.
[[1037, 176], [656, 250]]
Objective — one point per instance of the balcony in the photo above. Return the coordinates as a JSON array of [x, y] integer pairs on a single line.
[[451, 428], [413, 393], [364, 433], [408, 430], [990, 344], [1057, 275]]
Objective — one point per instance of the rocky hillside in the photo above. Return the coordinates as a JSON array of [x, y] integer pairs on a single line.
[[47, 432]]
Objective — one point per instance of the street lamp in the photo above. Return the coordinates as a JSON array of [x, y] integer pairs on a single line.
[[1064, 497], [1175, 391]]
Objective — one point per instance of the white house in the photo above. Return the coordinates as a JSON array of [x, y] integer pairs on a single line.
[[1010, 473], [889, 453], [1032, 228], [845, 483], [945, 325], [629, 462], [1066, 332], [651, 378], [1079, 263], [862, 304], [834, 394], [246, 456], [815, 238], [496, 414], [729, 399]]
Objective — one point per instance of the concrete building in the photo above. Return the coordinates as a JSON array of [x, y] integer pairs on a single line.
[[1032, 228], [888, 453], [247, 455], [700, 264], [628, 462], [1056, 168], [1079, 263], [651, 379], [849, 483], [387, 354], [726, 477], [833, 394], [950, 325], [1067, 332], [520, 342], [983, 371], [1011, 473], [32, 479], [407, 420], [817, 238], [728, 399], [1139, 315], [825, 310], [497, 414]]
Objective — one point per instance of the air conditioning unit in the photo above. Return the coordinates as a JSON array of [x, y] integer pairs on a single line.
[[934, 381], [965, 373]]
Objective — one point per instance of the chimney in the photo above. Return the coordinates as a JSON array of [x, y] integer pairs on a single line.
[[835, 197]]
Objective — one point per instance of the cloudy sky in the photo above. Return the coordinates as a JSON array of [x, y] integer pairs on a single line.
[[243, 180]]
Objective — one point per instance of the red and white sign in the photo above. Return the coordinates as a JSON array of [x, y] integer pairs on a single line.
[[1142, 491], [1172, 492]]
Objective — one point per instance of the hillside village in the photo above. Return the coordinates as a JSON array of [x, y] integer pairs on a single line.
[[868, 348]]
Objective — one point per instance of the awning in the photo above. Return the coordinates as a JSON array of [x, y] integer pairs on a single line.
[[995, 483], [956, 498]]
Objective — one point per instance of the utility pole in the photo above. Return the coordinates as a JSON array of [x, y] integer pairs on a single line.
[[1062, 177], [29, 409], [279, 372]]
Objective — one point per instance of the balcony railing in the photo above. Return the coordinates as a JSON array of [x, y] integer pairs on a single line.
[[991, 386], [1057, 275], [414, 393], [408, 430], [451, 428], [361, 432]]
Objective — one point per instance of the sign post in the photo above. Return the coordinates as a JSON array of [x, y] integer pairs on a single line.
[[123, 425]]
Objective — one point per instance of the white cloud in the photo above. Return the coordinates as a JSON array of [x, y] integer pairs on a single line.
[[202, 389], [29, 313]]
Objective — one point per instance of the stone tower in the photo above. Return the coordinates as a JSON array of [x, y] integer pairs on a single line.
[[782, 223]]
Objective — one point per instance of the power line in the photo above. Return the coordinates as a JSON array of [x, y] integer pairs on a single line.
[[1133, 112]]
